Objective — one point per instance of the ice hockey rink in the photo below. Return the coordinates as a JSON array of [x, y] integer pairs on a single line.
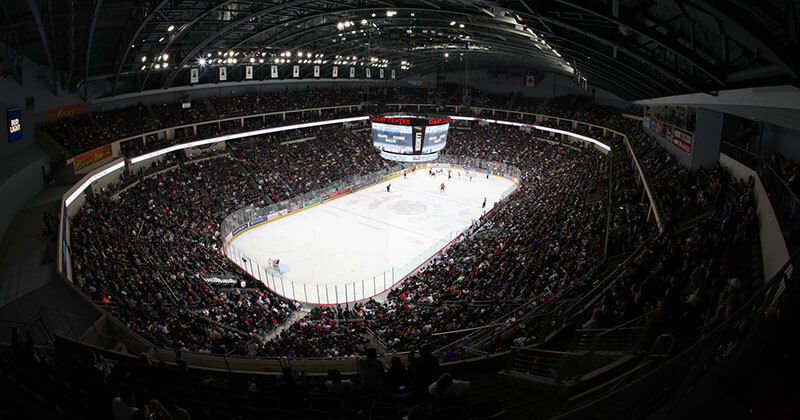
[[359, 245]]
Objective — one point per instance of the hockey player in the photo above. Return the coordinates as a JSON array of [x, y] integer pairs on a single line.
[[484, 203], [388, 188], [441, 188]]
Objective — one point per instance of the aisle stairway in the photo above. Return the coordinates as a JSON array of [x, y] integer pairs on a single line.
[[294, 317]]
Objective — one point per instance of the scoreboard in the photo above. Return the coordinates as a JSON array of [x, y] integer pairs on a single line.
[[409, 138]]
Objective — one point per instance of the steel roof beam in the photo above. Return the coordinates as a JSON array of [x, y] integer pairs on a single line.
[[226, 28], [97, 5], [132, 41], [661, 40], [37, 17], [733, 18], [668, 72]]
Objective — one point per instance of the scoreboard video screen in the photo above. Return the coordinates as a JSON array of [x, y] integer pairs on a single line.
[[392, 138], [409, 138], [435, 138]]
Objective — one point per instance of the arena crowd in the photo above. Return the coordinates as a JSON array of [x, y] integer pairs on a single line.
[[159, 229]]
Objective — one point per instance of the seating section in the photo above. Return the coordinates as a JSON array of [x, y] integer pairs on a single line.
[[149, 249], [73, 382], [148, 229]]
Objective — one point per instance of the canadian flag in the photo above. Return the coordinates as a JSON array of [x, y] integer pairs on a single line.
[[530, 80]]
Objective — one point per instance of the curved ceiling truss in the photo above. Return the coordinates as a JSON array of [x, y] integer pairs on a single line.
[[634, 48]]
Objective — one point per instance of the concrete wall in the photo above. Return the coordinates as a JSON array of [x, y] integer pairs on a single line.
[[22, 180], [33, 86], [707, 137], [22, 163], [775, 138], [773, 247]]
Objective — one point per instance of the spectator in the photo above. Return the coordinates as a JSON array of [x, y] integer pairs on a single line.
[[448, 389], [426, 366], [397, 377], [371, 370], [124, 405], [335, 384]]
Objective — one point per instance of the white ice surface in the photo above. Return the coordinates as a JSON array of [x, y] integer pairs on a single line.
[[357, 246]]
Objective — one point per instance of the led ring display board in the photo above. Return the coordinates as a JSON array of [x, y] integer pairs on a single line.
[[409, 138]]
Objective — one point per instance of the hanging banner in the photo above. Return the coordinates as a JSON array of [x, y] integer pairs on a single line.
[[274, 71], [392, 73], [381, 72], [66, 111], [335, 72], [223, 74], [295, 71], [316, 71], [194, 75], [352, 72], [248, 72], [368, 74]]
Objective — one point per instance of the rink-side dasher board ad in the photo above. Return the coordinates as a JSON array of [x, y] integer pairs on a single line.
[[345, 191], [311, 203], [464, 168]]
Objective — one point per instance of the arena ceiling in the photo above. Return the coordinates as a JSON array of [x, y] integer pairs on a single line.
[[634, 48]]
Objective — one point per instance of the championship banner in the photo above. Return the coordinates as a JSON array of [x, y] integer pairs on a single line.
[[91, 157], [316, 71], [335, 72], [392, 73], [295, 71], [352, 72], [248, 72], [381, 73], [368, 74], [223, 74], [274, 71], [194, 75], [66, 111]]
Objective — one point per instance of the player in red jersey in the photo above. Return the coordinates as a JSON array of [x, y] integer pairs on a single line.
[[441, 188]]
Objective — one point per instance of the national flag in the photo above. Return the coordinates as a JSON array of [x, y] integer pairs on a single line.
[[530, 80]]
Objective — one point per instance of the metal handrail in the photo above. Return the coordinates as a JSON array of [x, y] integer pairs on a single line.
[[685, 367], [589, 299]]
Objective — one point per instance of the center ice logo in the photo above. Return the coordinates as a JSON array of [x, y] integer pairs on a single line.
[[408, 208]]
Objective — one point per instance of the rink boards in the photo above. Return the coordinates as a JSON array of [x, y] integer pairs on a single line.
[[331, 268]]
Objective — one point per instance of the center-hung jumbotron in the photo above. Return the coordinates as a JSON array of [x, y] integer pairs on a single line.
[[409, 138]]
